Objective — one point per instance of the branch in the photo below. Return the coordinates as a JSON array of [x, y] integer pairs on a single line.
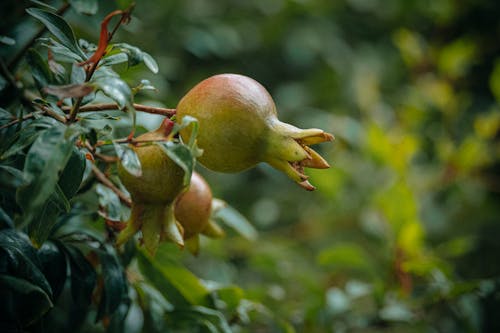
[[105, 181], [111, 106], [45, 111]]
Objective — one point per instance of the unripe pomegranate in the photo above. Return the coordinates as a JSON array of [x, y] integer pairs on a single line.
[[193, 209], [238, 128], [153, 193]]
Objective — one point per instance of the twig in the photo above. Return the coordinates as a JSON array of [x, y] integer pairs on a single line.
[[37, 35], [112, 106], [131, 141], [105, 181], [51, 113], [15, 121], [125, 16]]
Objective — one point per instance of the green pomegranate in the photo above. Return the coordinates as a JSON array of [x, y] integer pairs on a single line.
[[193, 209], [238, 128], [153, 193]]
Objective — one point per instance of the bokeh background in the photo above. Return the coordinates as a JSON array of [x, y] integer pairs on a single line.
[[402, 233]]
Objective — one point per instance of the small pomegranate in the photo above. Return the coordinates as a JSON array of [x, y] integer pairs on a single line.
[[193, 209], [238, 128], [153, 193]]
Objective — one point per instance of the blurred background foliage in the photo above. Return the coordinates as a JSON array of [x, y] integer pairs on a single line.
[[402, 232]]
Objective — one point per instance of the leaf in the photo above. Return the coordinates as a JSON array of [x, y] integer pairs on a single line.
[[39, 69], [87, 7], [22, 301], [114, 59], [69, 90], [46, 158], [110, 202], [72, 175], [150, 62], [6, 219], [83, 276], [7, 40], [53, 264], [116, 89], [58, 27], [181, 155], [177, 284], [60, 52], [128, 159], [11, 177], [77, 74], [44, 5], [18, 258], [136, 56], [115, 285], [345, 256], [226, 214]]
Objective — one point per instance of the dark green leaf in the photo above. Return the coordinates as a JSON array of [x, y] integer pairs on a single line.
[[177, 284], [115, 285], [117, 321], [83, 276], [22, 301], [181, 155], [23, 139], [116, 89], [5, 116], [44, 5], [128, 159], [5, 219], [58, 27], [46, 158], [44, 219], [10, 177], [88, 7], [54, 267], [39, 69], [18, 258], [72, 175]]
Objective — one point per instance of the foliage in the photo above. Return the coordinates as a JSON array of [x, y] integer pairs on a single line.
[[399, 236]]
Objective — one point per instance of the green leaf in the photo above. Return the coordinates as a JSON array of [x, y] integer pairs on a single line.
[[60, 51], [136, 56], [22, 301], [5, 219], [181, 155], [46, 158], [128, 159], [44, 5], [44, 219], [39, 69], [87, 7], [115, 285], [7, 40], [110, 202], [11, 177], [53, 264], [72, 175], [114, 59], [150, 62], [58, 27], [83, 276], [177, 284], [226, 214], [20, 259], [345, 256], [116, 89]]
